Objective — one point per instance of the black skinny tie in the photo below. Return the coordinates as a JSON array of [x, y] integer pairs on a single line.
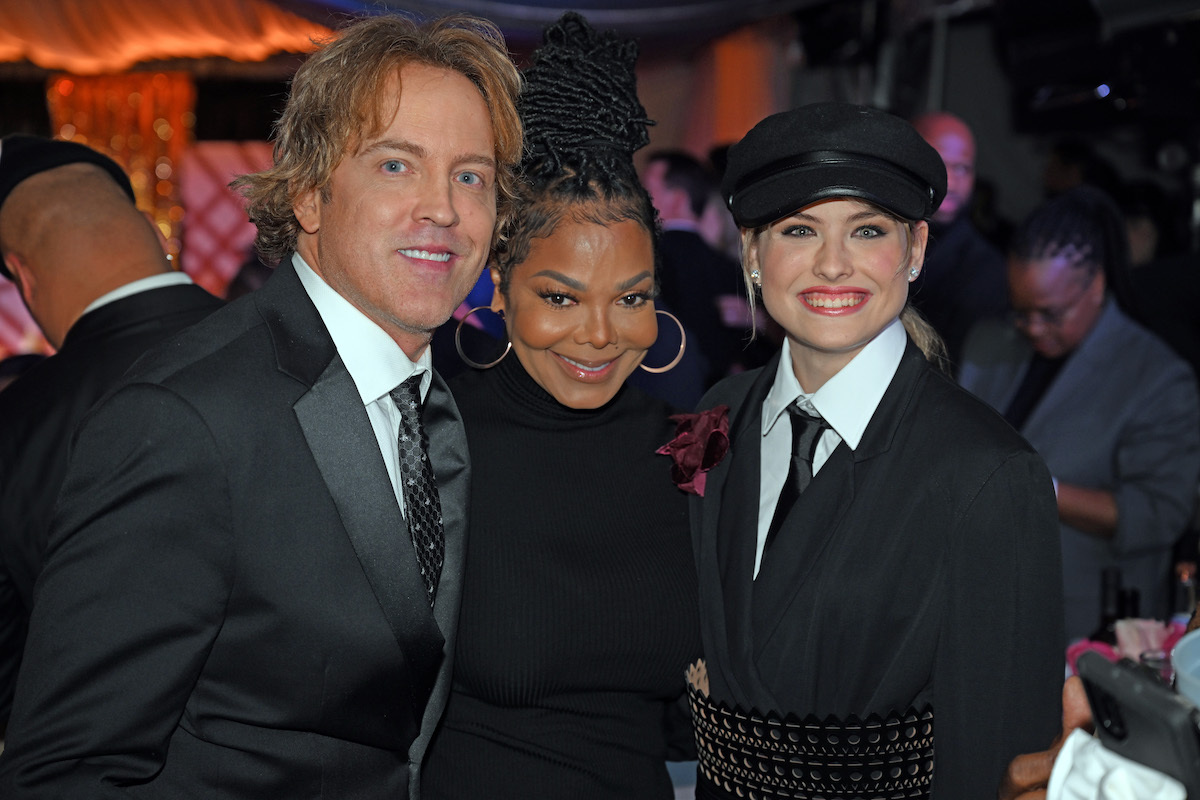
[[422, 506], [806, 432]]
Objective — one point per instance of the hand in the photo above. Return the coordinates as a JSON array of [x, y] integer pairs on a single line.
[[1028, 774]]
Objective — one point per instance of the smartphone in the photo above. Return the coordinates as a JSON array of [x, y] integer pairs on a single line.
[[1141, 718]]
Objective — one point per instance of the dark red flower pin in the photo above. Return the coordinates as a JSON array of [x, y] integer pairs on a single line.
[[701, 441]]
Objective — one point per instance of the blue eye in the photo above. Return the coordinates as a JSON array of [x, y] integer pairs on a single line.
[[394, 165], [470, 179], [870, 231], [796, 230]]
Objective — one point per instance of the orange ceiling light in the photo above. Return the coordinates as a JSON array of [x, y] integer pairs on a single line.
[[109, 36]]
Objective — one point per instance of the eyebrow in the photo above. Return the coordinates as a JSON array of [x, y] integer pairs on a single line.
[[405, 146], [866, 213], [579, 286]]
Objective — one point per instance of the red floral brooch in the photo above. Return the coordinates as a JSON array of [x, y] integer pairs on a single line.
[[701, 441]]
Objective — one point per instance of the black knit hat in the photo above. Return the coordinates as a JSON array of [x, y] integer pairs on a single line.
[[824, 150], [24, 156]]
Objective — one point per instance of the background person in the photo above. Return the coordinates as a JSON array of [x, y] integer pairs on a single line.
[[914, 581], [249, 590], [579, 597], [962, 281], [1111, 409], [697, 279], [102, 296]]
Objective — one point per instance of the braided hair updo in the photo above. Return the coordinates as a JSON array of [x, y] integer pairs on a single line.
[[1085, 226], [583, 122]]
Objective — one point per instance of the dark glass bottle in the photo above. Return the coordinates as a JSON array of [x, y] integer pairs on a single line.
[[1184, 600], [1110, 606]]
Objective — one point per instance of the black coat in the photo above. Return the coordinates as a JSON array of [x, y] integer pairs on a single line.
[[38, 415], [922, 567], [694, 277], [230, 605], [962, 282]]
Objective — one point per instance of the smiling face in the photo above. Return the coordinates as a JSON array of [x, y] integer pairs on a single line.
[[405, 225], [834, 275], [579, 310]]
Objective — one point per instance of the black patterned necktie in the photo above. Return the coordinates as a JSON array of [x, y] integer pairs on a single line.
[[422, 506], [806, 432]]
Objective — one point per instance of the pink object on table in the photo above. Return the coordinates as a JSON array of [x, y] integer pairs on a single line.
[[1134, 637]]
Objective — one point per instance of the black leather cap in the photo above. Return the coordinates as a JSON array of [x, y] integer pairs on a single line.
[[24, 156], [795, 158]]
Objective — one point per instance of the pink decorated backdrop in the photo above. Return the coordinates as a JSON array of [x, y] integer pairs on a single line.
[[217, 236]]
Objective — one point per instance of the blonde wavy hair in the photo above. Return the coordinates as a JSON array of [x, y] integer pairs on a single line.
[[338, 100]]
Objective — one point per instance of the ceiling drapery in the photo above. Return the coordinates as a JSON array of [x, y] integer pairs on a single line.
[[662, 25], [112, 36]]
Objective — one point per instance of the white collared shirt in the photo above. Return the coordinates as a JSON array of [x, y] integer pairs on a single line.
[[138, 286], [375, 362], [847, 402]]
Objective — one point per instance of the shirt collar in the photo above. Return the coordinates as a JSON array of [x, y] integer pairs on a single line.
[[375, 362], [140, 285], [848, 400]]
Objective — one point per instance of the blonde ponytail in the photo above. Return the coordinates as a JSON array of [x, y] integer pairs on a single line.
[[925, 338]]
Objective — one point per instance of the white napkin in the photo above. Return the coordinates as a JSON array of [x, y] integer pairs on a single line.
[[1086, 770]]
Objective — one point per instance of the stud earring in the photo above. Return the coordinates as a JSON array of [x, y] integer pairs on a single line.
[[756, 277], [913, 272]]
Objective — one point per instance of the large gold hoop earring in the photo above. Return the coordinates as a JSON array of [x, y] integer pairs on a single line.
[[682, 346], [458, 342]]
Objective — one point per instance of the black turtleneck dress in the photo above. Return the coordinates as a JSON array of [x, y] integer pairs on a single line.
[[579, 606]]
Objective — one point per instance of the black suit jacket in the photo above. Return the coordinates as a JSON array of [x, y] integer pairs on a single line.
[[693, 277], [962, 282], [38, 414], [921, 567], [230, 606]]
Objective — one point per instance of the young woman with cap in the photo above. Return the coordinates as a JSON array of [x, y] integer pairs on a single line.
[[880, 609]]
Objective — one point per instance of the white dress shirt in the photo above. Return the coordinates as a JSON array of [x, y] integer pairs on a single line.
[[140, 285], [846, 402], [375, 362]]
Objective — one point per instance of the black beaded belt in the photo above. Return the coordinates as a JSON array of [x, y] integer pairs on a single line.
[[745, 756]]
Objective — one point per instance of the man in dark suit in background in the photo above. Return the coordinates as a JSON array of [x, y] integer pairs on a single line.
[[93, 274], [963, 278], [253, 576], [696, 279]]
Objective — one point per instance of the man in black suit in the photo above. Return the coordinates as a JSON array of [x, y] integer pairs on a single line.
[[698, 281], [252, 582], [90, 269], [963, 278]]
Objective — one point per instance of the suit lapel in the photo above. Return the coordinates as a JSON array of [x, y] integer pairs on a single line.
[[805, 533], [1078, 372], [339, 435], [727, 543], [814, 521], [451, 465]]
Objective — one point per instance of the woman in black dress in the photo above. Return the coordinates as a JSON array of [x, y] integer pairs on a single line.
[[878, 551], [579, 611]]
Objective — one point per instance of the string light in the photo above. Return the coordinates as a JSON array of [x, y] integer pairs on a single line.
[[144, 121]]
